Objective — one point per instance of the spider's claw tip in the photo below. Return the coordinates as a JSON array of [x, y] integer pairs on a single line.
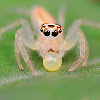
[[38, 75], [69, 71], [83, 66], [21, 69]]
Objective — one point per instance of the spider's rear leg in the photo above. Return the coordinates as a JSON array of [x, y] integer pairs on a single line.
[[14, 24], [61, 16], [24, 53], [20, 10], [77, 23]]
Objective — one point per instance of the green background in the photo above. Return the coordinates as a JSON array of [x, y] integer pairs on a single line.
[[82, 84]]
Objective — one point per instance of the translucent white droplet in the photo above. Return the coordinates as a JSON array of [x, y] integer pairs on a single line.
[[52, 61]]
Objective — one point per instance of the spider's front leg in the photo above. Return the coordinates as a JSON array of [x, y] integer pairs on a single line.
[[20, 47], [83, 45], [17, 51], [83, 56], [75, 35]]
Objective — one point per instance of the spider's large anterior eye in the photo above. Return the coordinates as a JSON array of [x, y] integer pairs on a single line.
[[46, 32], [54, 33]]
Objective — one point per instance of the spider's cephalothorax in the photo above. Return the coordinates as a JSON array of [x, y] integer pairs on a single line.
[[50, 37]]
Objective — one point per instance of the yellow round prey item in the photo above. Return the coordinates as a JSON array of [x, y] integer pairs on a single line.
[[52, 61]]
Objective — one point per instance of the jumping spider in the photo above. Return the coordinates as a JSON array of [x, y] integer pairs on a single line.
[[50, 42]]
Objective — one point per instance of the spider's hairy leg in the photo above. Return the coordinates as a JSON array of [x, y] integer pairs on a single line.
[[24, 53], [82, 51], [26, 37], [61, 15], [73, 37], [86, 55], [17, 52], [13, 25], [79, 22], [28, 34]]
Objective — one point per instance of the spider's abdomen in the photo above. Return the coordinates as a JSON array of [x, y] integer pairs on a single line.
[[40, 16]]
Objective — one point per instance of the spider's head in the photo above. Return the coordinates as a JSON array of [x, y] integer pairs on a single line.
[[51, 29]]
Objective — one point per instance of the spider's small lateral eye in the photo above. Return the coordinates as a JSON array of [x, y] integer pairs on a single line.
[[60, 31], [41, 30], [46, 32], [54, 33]]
